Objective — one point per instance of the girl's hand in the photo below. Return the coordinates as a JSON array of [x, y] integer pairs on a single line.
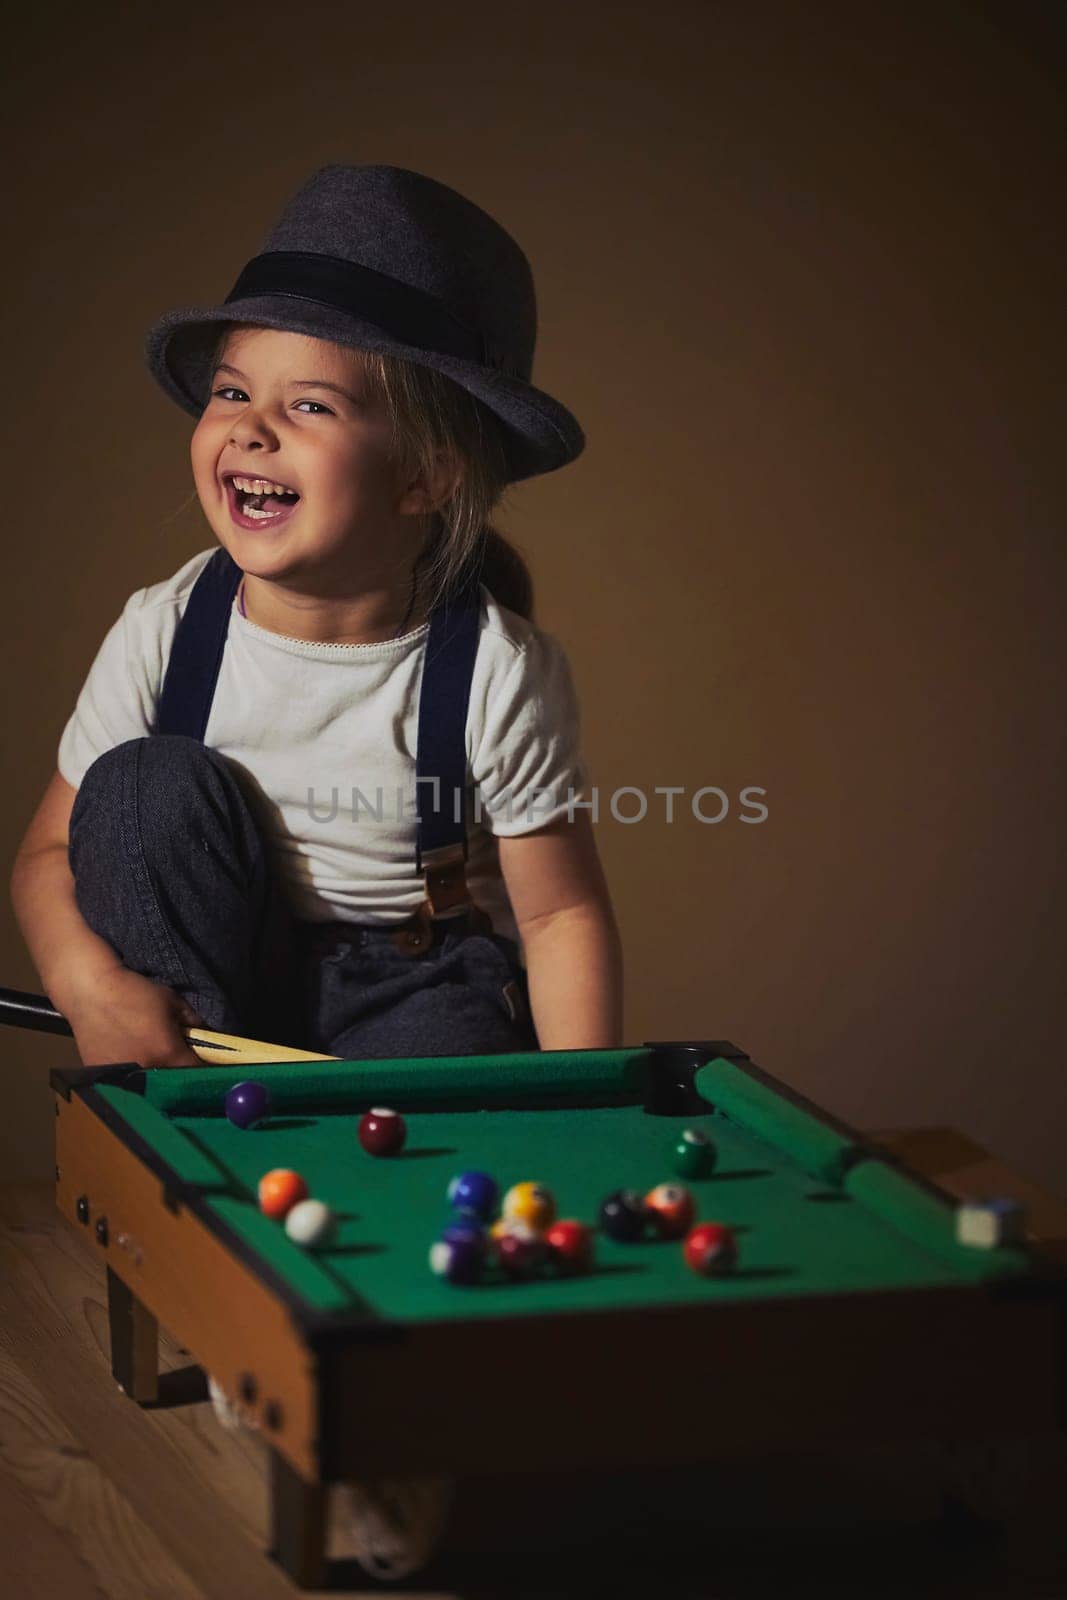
[[122, 1016]]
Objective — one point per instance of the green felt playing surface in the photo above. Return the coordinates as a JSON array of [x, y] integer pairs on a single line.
[[806, 1222]]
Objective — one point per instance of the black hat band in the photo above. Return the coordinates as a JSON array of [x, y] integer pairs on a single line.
[[406, 313]]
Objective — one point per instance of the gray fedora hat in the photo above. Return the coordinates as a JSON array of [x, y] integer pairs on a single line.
[[391, 261]]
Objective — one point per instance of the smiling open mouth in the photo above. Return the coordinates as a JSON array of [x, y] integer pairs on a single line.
[[255, 500]]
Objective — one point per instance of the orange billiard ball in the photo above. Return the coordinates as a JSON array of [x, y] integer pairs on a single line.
[[279, 1192], [670, 1209]]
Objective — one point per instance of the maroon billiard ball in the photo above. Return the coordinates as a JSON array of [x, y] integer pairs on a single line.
[[382, 1132], [520, 1254]]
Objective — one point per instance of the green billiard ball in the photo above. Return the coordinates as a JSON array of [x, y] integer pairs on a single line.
[[693, 1155]]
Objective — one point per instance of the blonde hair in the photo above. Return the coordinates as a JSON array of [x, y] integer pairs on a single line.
[[431, 416]]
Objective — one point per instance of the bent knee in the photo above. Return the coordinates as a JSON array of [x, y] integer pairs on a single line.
[[158, 757]]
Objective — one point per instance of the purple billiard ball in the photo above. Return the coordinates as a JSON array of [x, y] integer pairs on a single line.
[[459, 1260], [247, 1103], [467, 1230]]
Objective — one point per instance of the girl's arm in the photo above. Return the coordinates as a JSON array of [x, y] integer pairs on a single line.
[[68, 955], [116, 1015], [565, 919]]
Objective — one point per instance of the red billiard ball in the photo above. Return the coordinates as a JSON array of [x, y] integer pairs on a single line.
[[382, 1132], [710, 1249], [570, 1246], [670, 1209]]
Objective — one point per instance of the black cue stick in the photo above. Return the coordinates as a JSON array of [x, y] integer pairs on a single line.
[[37, 1013], [34, 1011]]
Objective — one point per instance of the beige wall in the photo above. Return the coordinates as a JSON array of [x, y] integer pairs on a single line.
[[799, 275]]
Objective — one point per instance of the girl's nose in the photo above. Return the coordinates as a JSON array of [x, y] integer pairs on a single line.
[[249, 426]]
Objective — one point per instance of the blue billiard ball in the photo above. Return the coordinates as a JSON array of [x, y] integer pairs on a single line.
[[247, 1103], [473, 1194]]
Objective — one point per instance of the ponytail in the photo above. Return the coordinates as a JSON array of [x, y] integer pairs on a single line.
[[506, 575]]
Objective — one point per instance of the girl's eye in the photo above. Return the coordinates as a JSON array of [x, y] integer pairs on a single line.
[[228, 389]]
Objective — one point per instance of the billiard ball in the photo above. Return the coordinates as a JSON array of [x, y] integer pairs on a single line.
[[669, 1208], [474, 1194], [504, 1228], [459, 1260], [531, 1203], [311, 1223], [467, 1230], [247, 1103], [693, 1155], [570, 1246], [710, 1249], [279, 1191], [622, 1216], [520, 1254], [382, 1132]]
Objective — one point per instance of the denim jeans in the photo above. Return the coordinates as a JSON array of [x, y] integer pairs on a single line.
[[170, 868]]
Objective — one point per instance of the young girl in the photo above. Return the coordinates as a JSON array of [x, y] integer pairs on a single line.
[[261, 867], [323, 784]]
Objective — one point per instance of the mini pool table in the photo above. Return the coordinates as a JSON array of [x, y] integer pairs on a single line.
[[852, 1311]]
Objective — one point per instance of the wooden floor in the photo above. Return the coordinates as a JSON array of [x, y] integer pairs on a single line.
[[101, 1500]]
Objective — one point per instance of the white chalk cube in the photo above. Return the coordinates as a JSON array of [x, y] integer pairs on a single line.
[[991, 1222]]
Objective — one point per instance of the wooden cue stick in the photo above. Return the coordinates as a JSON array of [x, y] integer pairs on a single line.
[[36, 1012]]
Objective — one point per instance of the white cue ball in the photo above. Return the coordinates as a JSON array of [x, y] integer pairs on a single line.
[[310, 1223]]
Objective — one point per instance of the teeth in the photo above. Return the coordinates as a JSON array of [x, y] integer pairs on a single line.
[[261, 486], [260, 516]]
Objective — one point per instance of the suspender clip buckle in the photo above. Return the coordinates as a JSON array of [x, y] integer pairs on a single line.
[[444, 871]]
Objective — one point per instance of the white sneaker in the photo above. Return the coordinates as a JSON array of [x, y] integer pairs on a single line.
[[230, 1416], [392, 1525]]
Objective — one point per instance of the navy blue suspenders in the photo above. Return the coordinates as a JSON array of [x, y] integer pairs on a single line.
[[196, 654], [441, 832], [441, 758]]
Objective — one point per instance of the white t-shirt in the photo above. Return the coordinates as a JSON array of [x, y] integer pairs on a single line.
[[324, 738]]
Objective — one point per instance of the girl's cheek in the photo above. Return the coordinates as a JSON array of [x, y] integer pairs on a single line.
[[198, 455]]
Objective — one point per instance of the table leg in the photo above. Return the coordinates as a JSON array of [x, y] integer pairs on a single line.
[[297, 1524], [134, 1342], [1019, 1485]]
